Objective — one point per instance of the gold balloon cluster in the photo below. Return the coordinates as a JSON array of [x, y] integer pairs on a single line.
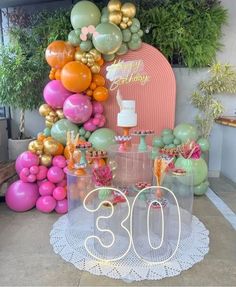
[[51, 115], [45, 148], [90, 59], [121, 15]]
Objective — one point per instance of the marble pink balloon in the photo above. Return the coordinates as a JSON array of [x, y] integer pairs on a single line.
[[77, 108], [21, 196], [46, 204], [34, 169], [59, 193], [55, 174], [46, 188], [62, 206], [55, 94], [59, 161], [97, 108], [26, 159], [89, 126]]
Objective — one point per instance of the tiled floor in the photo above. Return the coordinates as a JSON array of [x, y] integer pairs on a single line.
[[27, 258]]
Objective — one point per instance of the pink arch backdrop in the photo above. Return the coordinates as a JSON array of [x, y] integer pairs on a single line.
[[155, 98]]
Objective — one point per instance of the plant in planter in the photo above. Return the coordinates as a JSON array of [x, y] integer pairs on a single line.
[[23, 72], [222, 81]]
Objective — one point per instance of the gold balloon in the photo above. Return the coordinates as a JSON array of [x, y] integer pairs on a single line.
[[95, 69], [52, 113], [50, 146], [50, 118], [45, 159], [114, 5], [115, 17], [60, 114], [123, 25], [31, 147], [129, 23], [125, 19], [128, 10], [44, 110], [48, 124], [84, 60], [96, 55], [79, 55], [90, 64], [38, 145]]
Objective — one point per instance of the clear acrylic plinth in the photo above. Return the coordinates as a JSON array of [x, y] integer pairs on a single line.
[[131, 166]]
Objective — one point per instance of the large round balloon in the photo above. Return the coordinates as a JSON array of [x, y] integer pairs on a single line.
[[55, 94], [76, 76], [26, 159], [102, 138], [77, 108], [108, 38], [185, 132], [58, 53], [201, 188], [21, 196], [60, 128], [196, 167], [85, 13]]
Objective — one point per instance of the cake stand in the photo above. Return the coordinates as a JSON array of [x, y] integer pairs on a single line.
[[142, 134]]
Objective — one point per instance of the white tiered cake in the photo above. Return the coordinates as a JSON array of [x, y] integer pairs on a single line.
[[127, 116]]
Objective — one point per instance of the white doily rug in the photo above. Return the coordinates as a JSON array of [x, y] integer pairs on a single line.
[[71, 248]]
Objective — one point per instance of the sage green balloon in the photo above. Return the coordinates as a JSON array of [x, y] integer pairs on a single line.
[[185, 132], [177, 141], [204, 144], [60, 128], [171, 145], [166, 132], [201, 188], [102, 138], [134, 28], [123, 49], [82, 131], [108, 58], [78, 32], [86, 46], [168, 139], [87, 134], [85, 13], [135, 45], [105, 10], [109, 38], [73, 38], [157, 142], [196, 167], [47, 132], [126, 35], [104, 18], [135, 37], [140, 33]]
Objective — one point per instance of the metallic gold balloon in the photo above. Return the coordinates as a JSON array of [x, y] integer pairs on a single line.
[[52, 113], [79, 55], [96, 55], [50, 146], [129, 23], [45, 159], [50, 118], [60, 114], [95, 69], [31, 147], [48, 124], [38, 145], [115, 17], [128, 10], [84, 60], [123, 25], [114, 5], [125, 19], [44, 110]]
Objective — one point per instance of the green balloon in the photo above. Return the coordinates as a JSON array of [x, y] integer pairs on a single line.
[[168, 139], [109, 58], [166, 132], [204, 144], [73, 38], [109, 38], [82, 131], [135, 45], [87, 134], [177, 141], [135, 37], [86, 46], [102, 138], [171, 145], [78, 32], [104, 18], [123, 49], [135, 27], [82, 138], [196, 167], [126, 35], [157, 142], [105, 10], [201, 188], [47, 132], [103, 193], [60, 128], [140, 33], [85, 13], [185, 132]]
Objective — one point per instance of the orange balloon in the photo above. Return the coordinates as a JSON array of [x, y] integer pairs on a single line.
[[58, 74], [58, 53], [99, 80], [60, 149], [100, 94], [93, 86], [66, 152], [51, 76], [100, 62], [41, 137], [89, 92], [76, 76]]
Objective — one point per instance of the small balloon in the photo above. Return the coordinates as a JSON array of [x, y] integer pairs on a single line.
[[44, 110], [46, 160], [109, 58], [95, 69], [115, 17], [86, 45], [114, 5], [126, 35], [204, 144], [74, 39], [123, 49], [128, 10], [135, 45]]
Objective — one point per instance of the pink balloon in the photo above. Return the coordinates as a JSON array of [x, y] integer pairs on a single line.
[[46, 188], [62, 183], [39, 182], [59, 193], [26, 159], [55, 174], [42, 174], [31, 178], [97, 108], [89, 126], [21, 196], [77, 108], [62, 206], [46, 203], [55, 94], [34, 169], [25, 171], [59, 161]]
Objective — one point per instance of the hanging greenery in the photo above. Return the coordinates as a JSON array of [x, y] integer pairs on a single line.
[[187, 32]]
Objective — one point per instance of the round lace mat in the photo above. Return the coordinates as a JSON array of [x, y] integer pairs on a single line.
[[69, 245]]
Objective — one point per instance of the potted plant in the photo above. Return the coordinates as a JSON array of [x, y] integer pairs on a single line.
[[222, 80], [23, 70]]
